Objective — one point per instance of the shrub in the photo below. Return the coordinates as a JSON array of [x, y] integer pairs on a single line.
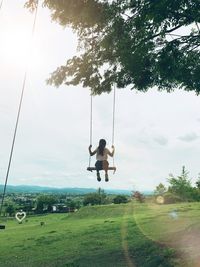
[[92, 199], [138, 196], [170, 198], [120, 199]]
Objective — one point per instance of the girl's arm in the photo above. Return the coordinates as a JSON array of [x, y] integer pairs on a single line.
[[92, 153], [113, 151]]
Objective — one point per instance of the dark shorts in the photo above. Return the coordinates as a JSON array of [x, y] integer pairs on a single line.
[[99, 165]]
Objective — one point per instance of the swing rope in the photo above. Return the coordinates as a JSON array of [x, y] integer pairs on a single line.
[[91, 121], [18, 117], [113, 124]]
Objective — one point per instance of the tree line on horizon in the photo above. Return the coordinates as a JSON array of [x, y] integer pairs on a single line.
[[60, 203]]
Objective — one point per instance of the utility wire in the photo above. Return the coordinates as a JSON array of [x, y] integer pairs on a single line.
[[18, 115], [1, 4]]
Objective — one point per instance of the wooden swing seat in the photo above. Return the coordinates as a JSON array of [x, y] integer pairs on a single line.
[[94, 169]]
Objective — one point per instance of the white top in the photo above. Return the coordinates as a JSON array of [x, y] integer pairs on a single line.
[[106, 152]]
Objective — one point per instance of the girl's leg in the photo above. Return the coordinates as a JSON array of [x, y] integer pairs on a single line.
[[98, 176], [105, 167], [98, 166]]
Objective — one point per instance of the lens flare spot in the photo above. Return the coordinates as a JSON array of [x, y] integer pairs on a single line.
[[160, 200]]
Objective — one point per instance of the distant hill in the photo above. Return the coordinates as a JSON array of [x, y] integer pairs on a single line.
[[42, 189], [53, 190]]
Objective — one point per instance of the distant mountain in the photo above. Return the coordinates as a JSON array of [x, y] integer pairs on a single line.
[[53, 190]]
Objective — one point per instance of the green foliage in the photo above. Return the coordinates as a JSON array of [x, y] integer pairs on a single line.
[[171, 198], [180, 189], [198, 182], [98, 198], [92, 199], [160, 189], [72, 204], [45, 202], [137, 43], [120, 199], [195, 194], [138, 196], [10, 209], [181, 186]]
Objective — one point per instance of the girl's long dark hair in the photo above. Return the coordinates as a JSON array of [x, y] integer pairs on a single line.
[[102, 145]]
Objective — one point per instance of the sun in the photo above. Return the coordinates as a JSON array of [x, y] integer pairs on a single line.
[[17, 47]]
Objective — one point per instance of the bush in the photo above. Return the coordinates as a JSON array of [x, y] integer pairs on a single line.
[[120, 199], [138, 196], [10, 209], [92, 199], [170, 198]]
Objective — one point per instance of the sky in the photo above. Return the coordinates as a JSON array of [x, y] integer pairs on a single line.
[[156, 133]]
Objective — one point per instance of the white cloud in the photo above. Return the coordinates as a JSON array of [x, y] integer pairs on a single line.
[[190, 137], [161, 140]]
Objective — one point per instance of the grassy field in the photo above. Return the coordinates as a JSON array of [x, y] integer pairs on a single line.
[[143, 235]]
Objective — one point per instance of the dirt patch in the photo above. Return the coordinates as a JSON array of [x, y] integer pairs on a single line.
[[187, 244]]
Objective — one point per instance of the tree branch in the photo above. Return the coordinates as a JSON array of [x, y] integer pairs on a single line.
[[197, 26], [166, 32]]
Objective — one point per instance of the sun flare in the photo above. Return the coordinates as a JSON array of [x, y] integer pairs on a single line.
[[17, 47]]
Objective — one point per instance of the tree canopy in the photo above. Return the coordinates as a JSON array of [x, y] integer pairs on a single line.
[[181, 185], [136, 43], [160, 189]]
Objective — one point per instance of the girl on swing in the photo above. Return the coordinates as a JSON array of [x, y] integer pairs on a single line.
[[101, 156]]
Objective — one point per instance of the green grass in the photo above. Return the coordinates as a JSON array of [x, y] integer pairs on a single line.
[[176, 226], [111, 236]]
